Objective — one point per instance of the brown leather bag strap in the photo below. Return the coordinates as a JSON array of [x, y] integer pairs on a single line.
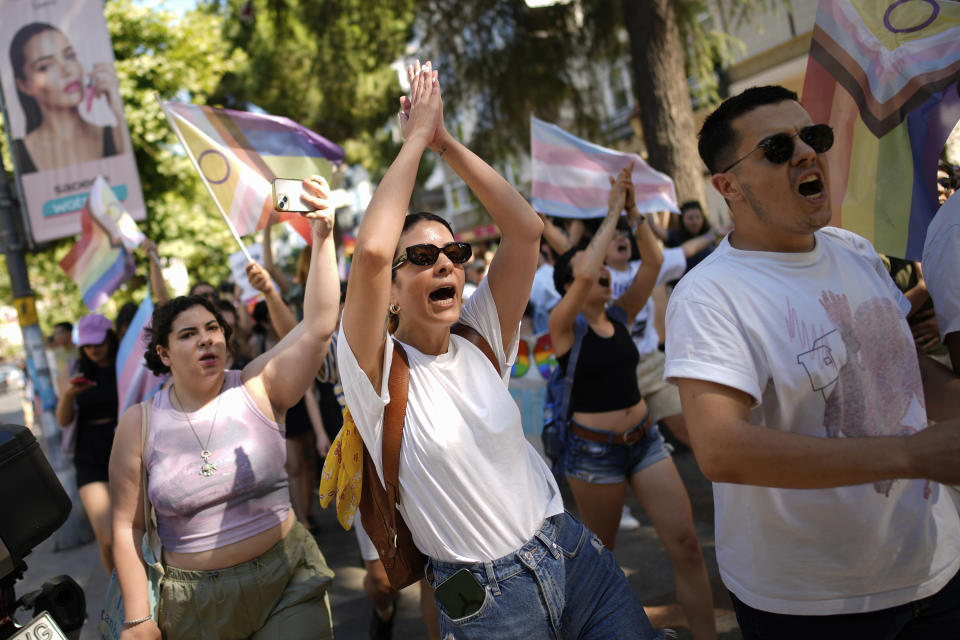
[[471, 334], [394, 414]]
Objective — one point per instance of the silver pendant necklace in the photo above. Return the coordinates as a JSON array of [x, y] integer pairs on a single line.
[[207, 468]]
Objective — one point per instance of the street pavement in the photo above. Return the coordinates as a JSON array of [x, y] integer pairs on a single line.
[[639, 553]]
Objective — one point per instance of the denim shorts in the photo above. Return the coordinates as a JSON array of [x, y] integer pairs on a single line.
[[562, 583], [605, 463]]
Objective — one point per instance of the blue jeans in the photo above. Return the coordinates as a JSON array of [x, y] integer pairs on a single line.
[[935, 617], [563, 583], [606, 463]]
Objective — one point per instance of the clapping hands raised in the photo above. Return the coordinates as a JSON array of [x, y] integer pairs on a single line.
[[421, 113]]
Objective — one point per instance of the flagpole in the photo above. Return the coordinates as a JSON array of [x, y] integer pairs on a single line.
[[233, 229]]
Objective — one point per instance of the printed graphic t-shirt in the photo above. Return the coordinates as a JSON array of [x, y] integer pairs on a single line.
[[820, 342]]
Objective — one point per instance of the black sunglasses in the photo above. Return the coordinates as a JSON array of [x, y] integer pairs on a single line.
[[778, 148], [425, 255]]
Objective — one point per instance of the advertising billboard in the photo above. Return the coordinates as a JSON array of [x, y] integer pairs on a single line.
[[63, 114]]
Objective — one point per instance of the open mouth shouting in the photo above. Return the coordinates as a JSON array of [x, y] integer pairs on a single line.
[[209, 359], [811, 187], [444, 296], [604, 281]]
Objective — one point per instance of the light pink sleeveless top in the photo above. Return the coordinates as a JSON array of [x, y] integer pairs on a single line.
[[245, 495]]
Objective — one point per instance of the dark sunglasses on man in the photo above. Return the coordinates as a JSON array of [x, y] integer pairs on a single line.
[[425, 255], [778, 148]]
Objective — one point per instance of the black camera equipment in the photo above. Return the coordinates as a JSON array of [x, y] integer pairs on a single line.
[[33, 505]]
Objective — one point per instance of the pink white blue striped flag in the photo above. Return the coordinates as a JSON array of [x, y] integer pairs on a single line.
[[136, 383], [571, 175], [100, 261]]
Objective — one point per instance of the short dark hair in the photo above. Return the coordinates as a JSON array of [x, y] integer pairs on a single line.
[[563, 270], [66, 326], [162, 324], [717, 137], [202, 283], [125, 316], [690, 204]]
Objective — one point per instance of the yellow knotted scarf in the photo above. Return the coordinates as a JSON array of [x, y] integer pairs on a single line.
[[342, 475]]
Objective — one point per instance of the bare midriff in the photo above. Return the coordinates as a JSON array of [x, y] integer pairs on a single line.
[[232, 554], [616, 421]]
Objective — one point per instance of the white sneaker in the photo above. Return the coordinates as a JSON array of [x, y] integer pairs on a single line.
[[627, 521]]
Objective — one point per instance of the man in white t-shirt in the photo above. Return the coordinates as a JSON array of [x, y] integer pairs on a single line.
[[543, 294], [941, 269], [791, 351]]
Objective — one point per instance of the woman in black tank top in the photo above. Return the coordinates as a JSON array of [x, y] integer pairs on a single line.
[[611, 441], [88, 397]]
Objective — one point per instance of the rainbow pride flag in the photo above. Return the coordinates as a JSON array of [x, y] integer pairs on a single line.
[[136, 383], [101, 261], [884, 75], [571, 175], [239, 154]]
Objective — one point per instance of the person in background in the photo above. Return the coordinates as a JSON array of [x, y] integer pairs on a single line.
[[62, 352], [89, 400], [941, 260], [613, 441], [543, 295], [473, 274]]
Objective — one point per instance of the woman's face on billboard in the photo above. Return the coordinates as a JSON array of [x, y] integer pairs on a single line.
[[52, 74]]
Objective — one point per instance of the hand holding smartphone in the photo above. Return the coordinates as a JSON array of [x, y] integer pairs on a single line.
[[286, 196]]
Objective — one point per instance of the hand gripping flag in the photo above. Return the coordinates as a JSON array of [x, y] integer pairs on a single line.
[[100, 262], [571, 175], [239, 154], [136, 383], [884, 75]]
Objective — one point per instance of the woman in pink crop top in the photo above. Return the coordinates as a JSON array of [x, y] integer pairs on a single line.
[[236, 562], [612, 440]]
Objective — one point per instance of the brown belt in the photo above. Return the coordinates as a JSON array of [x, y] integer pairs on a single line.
[[632, 435]]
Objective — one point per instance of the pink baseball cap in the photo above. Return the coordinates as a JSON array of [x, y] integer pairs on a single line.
[[92, 329]]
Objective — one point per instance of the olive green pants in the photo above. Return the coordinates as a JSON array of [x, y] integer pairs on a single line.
[[280, 594]]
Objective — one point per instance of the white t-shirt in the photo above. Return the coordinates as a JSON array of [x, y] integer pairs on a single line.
[[941, 264], [471, 487], [643, 330], [820, 342], [543, 296]]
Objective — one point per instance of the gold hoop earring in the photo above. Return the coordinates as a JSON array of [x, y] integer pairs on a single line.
[[393, 308]]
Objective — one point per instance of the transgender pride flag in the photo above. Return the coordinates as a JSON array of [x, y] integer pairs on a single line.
[[884, 75], [571, 175], [239, 154], [136, 383], [100, 262]]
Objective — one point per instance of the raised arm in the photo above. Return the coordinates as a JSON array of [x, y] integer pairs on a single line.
[[277, 274], [554, 236], [126, 498], [368, 290], [730, 449], [284, 373], [651, 258], [586, 268], [158, 285], [280, 315], [657, 229]]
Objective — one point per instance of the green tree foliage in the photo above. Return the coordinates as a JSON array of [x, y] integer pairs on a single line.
[[324, 63], [157, 55], [502, 60]]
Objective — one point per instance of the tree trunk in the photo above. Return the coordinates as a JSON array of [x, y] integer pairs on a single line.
[[660, 83]]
